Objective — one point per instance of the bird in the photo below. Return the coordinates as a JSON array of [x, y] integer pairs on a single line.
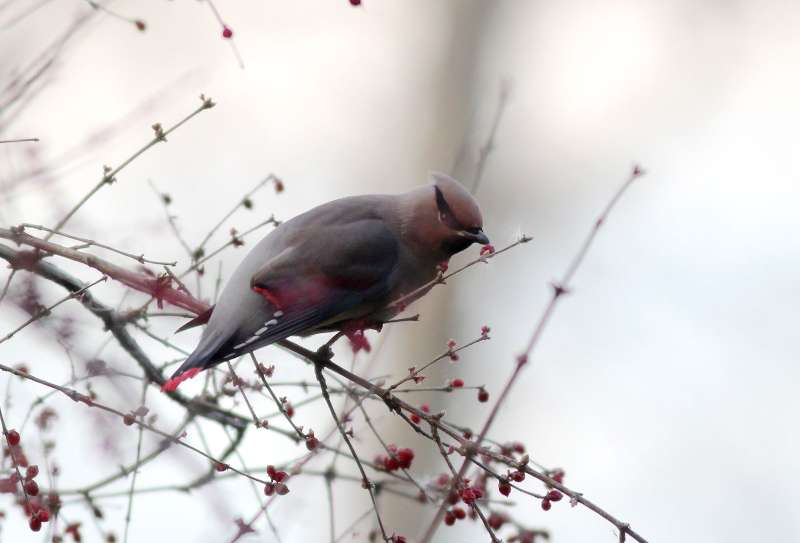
[[337, 268]]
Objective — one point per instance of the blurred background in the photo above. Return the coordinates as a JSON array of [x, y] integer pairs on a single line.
[[666, 384]]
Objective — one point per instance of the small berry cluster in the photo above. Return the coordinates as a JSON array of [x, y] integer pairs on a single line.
[[451, 345], [470, 494], [454, 514], [30, 502], [311, 441], [416, 419], [412, 371], [496, 520], [396, 459], [276, 485], [552, 496]]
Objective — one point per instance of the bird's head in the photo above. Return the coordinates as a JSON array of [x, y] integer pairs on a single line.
[[446, 217]]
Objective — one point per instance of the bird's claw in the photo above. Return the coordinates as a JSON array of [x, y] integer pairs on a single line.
[[390, 402], [325, 352]]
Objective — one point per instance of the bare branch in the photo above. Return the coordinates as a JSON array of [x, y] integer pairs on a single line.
[[109, 174]]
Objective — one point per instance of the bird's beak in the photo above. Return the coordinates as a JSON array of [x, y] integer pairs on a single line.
[[477, 237]]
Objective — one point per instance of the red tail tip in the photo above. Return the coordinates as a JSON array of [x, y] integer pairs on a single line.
[[173, 383]]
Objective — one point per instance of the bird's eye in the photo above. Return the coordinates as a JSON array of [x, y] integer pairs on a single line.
[[442, 216]]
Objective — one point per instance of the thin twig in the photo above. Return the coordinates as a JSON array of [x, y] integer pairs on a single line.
[[135, 471], [90, 242], [488, 147], [558, 290], [300, 435], [365, 480], [442, 278], [21, 140], [110, 174], [47, 310], [76, 396], [242, 203]]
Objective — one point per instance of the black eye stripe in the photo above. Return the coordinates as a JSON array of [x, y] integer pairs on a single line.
[[445, 210]]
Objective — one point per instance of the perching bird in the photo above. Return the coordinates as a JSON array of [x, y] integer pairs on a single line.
[[337, 267]]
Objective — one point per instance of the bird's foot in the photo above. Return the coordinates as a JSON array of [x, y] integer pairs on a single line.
[[390, 402], [325, 352]]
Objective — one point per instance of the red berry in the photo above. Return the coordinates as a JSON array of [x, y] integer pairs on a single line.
[[128, 419], [271, 471], [404, 457], [415, 418], [227, 33], [32, 471], [496, 520], [43, 515], [449, 518], [558, 476], [457, 383], [554, 495], [12, 437], [31, 488], [280, 476], [485, 330], [220, 466], [355, 2], [504, 487], [517, 476], [459, 513], [312, 443], [390, 463], [487, 250], [35, 524], [425, 408], [140, 25], [281, 489], [269, 489], [470, 494], [483, 395], [546, 505]]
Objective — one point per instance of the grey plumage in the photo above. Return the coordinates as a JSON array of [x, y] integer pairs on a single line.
[[340, 263]]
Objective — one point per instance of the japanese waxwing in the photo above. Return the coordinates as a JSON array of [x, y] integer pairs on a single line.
[[337, 267]]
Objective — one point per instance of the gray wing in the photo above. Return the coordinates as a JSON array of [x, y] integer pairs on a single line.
[[333, 272]]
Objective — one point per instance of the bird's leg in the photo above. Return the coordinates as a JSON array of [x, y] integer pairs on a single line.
[[326, 350]]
